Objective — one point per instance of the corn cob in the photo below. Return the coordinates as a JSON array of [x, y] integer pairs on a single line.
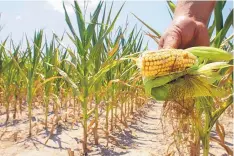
[[164, 62]]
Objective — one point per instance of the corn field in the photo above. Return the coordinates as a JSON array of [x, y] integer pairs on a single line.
[[76, 84], [96, 83]]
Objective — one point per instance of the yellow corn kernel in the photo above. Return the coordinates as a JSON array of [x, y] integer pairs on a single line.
[[166, 61]]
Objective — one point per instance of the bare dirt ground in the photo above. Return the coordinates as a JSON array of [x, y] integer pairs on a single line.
[[144, 136]]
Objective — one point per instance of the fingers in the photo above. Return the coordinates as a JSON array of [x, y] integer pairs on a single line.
[[161, 42], [184, 33], [171, 39]]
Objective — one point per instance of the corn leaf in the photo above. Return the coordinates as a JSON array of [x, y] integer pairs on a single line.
[[171, 5], [218, 16], [150, 28], [80, 22], [222, 33]]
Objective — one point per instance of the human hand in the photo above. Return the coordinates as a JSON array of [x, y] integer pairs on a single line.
[[184, 32]]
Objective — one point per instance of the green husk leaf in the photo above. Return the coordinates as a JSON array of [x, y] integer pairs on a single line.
[[160, 81], [210, 53], [186, 88], [212, 68]]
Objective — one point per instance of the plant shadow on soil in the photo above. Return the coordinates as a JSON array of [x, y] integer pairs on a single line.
[[214, 134], [54, 137], [141, 134]]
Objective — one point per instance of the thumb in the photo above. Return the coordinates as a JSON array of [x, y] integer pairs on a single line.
[[172, 40]]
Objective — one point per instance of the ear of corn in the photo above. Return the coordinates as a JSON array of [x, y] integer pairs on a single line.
[[165, 62]]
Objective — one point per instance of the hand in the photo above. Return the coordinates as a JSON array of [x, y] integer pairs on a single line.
[[185, 32]]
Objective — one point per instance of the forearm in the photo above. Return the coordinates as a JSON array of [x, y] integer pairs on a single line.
[[199, 10]]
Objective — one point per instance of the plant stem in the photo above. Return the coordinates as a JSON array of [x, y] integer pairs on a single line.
[[7, 111], [74, 105], [96, 119], [205, 143], [85, 117], [29, 100], [46, 110]]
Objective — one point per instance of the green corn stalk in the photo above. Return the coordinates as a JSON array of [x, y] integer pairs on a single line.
[[34, 58], [8, 88], [51, 58], [5, 64], [16, 78], [86, 52]]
